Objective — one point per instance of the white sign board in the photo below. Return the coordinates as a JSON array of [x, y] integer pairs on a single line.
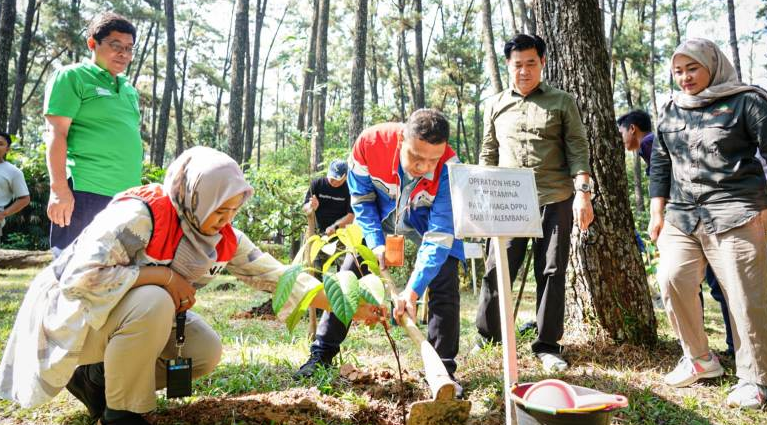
[[494, 201]]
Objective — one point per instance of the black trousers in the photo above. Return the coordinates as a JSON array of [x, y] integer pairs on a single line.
[[444, 317], [550, 255]]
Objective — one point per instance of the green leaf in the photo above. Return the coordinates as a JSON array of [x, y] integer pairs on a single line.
[[285, 287], [354, 233], [301, 308], [366, 253], [299, 258], [373, 266], [331, 260], [343, 236], [343, 292], [316, 247], [372, 289]]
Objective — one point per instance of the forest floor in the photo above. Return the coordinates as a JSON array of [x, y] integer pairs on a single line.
[[253, 383]]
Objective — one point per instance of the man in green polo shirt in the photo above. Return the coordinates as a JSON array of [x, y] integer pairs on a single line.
[[533, 125], [92, 130]]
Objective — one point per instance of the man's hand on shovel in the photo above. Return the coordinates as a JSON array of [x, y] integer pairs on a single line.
[[405, 302]]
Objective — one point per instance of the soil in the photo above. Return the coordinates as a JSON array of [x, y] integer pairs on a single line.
[[262, 312], [377, 403]]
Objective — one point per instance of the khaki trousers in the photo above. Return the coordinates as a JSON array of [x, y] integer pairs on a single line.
[[739, 259], [137, 338]]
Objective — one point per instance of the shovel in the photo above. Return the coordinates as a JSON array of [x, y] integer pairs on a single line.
[[443, 408]]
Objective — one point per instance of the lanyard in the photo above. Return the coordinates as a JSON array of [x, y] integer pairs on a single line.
[[180, 337]]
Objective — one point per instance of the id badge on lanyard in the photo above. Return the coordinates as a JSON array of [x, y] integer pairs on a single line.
[[179, 370]]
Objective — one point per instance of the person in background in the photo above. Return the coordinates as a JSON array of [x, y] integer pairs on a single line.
[[329, 200], [708, 200], [636, 131], [92, 120], [533, 125], [14, 194]]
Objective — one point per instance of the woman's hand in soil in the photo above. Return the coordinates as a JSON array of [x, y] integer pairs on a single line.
[[180, 290]]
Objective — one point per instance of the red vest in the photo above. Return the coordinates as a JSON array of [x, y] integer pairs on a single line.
[[166, 226]]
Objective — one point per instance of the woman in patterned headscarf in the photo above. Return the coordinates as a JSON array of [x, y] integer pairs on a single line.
[[705, 173], [99, 320]]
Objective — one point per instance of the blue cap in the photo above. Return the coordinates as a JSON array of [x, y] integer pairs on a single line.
[[337, 169]]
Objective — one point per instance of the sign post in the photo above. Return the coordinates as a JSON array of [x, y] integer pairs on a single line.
[[500, 203]]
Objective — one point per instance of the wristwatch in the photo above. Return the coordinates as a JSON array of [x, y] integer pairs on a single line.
[[584, 187]]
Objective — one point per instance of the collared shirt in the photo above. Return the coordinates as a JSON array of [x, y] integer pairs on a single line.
[[704, 162], [104, 149], [376, 185], [542, 131], [645, 150]]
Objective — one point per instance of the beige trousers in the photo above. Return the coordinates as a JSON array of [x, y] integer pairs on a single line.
[[739, 260], [137, 338]]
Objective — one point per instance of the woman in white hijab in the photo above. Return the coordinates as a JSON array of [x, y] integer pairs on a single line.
[[99, 320], [705, 173]]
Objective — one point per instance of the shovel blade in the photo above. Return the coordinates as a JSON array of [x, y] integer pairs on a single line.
[[439, 412]]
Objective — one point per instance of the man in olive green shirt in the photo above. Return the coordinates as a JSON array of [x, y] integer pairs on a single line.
[[92, 130], [533, 125]]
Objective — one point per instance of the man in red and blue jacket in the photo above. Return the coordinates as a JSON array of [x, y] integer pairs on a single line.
[[398, 182]]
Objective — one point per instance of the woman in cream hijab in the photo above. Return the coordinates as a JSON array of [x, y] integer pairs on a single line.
[[100, 319], [708, 192]]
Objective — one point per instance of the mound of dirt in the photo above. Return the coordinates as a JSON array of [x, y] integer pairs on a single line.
[[295, 406], [262, 312]]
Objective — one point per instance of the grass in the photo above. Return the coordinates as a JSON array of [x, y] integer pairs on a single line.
[[260, 356]]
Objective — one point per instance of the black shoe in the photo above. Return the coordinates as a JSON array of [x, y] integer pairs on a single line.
[[128, 418], [311, 365], [92, 395]]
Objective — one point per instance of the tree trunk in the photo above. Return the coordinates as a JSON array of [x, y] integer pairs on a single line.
[[675, 22], [419, 97], [477, 121], [155, 77], [734, 38], [261, 98], [491, 61], [404, 52], [608, 285], [239, 48], [179, 99], [170, 85], [527, 26], [14, 123], [400, 80], [318, 117], [250, 96], [142, 56], [653, 21], [309, 72], [7, 23], [514, 27], [227, 65], [358, 72], [373, 68]]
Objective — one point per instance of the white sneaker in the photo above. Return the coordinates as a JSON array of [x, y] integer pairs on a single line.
[[747, 395], [552, 362], [689, 370]]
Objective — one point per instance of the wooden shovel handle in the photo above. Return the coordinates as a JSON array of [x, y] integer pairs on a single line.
[[442, 387]]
